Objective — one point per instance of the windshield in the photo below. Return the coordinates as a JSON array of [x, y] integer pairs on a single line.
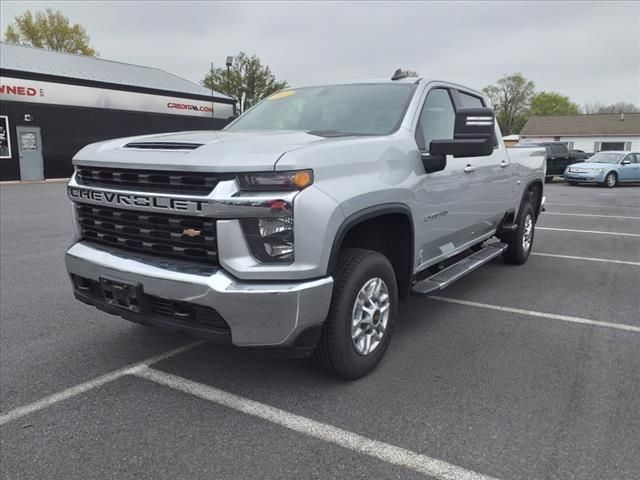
[[359, 109], [606, 157]]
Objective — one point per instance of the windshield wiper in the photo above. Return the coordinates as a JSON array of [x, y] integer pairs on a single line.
[[329, 133]]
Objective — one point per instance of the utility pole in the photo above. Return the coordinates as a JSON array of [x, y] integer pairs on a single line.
[[229, 62], [211, 83]]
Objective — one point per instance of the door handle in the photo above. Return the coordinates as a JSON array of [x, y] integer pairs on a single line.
[[504, 164], [469, 169]]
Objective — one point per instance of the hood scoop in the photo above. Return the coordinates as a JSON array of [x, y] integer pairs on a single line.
[[163, 145]]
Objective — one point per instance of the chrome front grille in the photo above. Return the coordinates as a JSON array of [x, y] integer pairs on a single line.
[[178, 236], [149, 181]]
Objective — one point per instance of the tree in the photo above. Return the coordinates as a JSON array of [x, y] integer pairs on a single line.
[[247, 80], [50, 30], [511, 97], [552, 103], [620, 107]]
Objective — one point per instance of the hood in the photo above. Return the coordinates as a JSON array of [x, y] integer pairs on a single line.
[[591, 165], [218, 151]]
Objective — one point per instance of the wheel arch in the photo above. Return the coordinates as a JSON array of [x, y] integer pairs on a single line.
[[533, 192], [383, 214]]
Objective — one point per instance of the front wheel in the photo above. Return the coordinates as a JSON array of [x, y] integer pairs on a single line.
[[573, 184], [358, 328], [520, 242], [611, 180], [548, 179]]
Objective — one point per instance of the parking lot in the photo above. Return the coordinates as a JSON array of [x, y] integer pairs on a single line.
[[528, 372]]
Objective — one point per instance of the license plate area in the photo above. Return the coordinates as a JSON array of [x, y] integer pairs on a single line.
[[122, 294]]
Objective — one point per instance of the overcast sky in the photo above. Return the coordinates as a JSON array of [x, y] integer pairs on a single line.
[[589, 51]]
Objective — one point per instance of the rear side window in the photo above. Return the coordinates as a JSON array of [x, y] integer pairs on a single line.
[[469, 101], [437, 118], [466, 100]]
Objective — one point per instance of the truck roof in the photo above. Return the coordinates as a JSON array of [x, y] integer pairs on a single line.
[[405, 80]]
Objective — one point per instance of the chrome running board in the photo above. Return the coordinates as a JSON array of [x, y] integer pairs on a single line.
[[447, 276]]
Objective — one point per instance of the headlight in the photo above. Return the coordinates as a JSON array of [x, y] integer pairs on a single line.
[[275, 181], [271, 238]]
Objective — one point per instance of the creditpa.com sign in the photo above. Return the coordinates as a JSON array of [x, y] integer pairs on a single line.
[[190, 107]]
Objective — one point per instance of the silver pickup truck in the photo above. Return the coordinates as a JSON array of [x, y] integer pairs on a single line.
[[299, 227]]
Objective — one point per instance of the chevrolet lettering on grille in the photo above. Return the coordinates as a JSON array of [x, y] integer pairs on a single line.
[[135, 200]]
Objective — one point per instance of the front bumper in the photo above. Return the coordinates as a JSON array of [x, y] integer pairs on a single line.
[[583, 177], [258, 313]]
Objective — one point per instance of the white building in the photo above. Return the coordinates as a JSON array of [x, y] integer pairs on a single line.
[[589, 133]]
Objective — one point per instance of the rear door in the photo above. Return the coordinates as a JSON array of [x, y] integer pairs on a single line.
[[488, 178]]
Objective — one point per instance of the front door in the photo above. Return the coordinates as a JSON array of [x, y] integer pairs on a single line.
[[442, 198], [631, 171], [30, 153]]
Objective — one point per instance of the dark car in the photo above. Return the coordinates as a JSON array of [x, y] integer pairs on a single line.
[[558, 156]]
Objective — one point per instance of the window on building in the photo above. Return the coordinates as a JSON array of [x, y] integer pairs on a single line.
[[607, 146]]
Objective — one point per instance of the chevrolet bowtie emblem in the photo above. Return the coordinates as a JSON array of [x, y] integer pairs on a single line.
[[191, 232]]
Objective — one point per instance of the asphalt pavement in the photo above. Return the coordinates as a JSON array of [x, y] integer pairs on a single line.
[[529, 372]]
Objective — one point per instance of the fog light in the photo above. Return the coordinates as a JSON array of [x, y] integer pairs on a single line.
[[271, 238]]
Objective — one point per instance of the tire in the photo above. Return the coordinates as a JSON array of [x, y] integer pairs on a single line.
[[337, 353], [548, 179], [518, 250], [573, 184], [610, 180]]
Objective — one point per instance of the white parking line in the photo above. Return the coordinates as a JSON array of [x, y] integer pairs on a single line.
[[592, 205], [591, 215], [90, 384], [532, 313], [617, 234], [313, 428], [588, 259]]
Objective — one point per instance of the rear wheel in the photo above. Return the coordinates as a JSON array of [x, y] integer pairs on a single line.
[[573, 184], [358, 328], [520, 241], [611, 180]]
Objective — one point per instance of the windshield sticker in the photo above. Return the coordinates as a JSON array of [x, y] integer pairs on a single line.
[[285, 93]]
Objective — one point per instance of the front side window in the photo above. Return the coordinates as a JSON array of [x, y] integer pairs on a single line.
[[437, 118], [357, 109]]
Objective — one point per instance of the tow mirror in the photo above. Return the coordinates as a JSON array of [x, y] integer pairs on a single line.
[[473, 135]]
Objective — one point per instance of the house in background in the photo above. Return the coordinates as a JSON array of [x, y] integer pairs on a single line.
[[510, 140], [590, 133]]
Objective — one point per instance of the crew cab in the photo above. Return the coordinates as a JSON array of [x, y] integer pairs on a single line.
[[299, 227], [557, 155]]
